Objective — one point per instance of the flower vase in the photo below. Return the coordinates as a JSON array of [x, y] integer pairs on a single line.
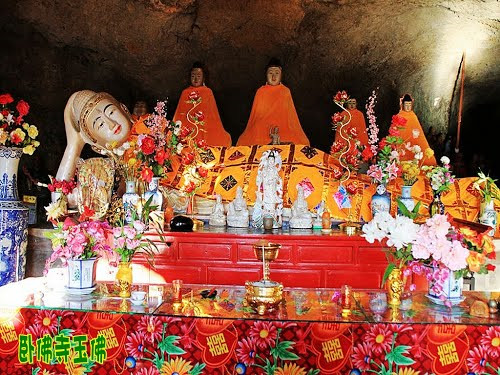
[[395, 286], [451, 290], [124, 279], [381, 200], [488, 215], [436, 207], [129, 199], [153, 191], [81, 276], [13, 219], [406, 198]]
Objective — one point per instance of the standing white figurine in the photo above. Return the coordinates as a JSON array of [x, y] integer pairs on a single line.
[[217, 218], [318, 223], [269, 194], [237, 211], [301, 217]]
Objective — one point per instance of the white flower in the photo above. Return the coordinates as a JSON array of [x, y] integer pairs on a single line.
[[179, 147], [416, 149], [415, 133], [119, 151], [394, 155], [178, 124], [445, 160], [10, 118], [177, 131], [125, 145], [419, 155], [403, 233]]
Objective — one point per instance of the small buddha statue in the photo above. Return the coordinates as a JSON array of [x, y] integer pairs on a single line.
[[273, 108], [269, 194], [412, 132], [301, 217], [212, 131], [237, 213], [140, 110], [217, 217]]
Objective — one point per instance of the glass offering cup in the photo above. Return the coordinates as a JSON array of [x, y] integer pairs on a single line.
[[378, 302]]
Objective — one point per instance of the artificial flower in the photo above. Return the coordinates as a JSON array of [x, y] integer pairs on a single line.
[[6, 99], [147, 174], [29, 149], [147, 145], [23, 108], [17, 136]]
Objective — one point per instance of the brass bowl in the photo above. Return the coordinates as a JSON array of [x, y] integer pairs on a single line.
[[263, 296], [270, 250]]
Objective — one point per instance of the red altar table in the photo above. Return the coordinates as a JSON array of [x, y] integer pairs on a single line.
[[53, 333], [307, 258]]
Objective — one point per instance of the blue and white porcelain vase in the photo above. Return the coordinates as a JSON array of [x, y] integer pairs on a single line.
[[155, 193], [13, 219], [130, 199], [488, 215], [406, 198], [381, 200], [81, 276], [452, 290]]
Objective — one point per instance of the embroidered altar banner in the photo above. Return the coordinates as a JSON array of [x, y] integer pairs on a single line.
[[73, 342]]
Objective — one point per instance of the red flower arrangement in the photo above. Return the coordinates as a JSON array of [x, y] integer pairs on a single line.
[[14, 131]]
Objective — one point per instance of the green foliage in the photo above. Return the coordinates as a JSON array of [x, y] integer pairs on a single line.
[[281, 351], [396, 356], [197, 369], [388, 270], [167, 345]]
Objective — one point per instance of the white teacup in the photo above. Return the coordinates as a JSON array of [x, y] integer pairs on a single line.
[[137, 297]]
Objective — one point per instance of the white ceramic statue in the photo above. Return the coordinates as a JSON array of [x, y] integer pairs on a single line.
[[237, 211], [301, 217], [217, 217], [95, 118], [318, 223], [269, 194]]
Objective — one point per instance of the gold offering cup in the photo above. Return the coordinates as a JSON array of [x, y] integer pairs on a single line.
[[264, 295]]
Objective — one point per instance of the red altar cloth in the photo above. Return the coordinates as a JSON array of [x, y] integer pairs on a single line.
[[307, 334]]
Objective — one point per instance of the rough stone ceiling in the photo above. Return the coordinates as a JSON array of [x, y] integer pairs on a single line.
[[398, 46]]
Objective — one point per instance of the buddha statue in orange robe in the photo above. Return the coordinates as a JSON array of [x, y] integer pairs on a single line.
[[212, 131], [273, 108], [357, 122], [412, 131]]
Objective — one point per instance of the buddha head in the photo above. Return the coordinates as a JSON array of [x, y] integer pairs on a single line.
[[274, 72], [140, 108], [407, 103], [197, 75], [351, 103]]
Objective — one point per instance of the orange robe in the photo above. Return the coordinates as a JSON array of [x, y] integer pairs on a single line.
[[212, 131], [139, 126], [358, 123], [407, 134], [273, 106]]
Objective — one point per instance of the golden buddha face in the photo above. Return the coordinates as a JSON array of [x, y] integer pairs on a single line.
[[407, 106], [197, 77], [109, 122], [140, 108], [351, 104], [273, 75]]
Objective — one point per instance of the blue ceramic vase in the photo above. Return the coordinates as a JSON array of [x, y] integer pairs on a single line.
[[381, 200], [13, 219]]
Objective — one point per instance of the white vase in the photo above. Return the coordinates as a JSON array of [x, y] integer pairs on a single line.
[[13, 219], [488, 215], [155, 193], [129, 199], [406, 198], [81, 275]]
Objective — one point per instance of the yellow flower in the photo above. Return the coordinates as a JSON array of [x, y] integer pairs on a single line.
[[406, 371], [33, 131], [131, 162], [3, 136], [486, 243], [429, 152], [36, 143], [290, 369], [176, 366], [17, 136], [475, 261], [26, 126], [29, 149], [57, 209], [1, 117]]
